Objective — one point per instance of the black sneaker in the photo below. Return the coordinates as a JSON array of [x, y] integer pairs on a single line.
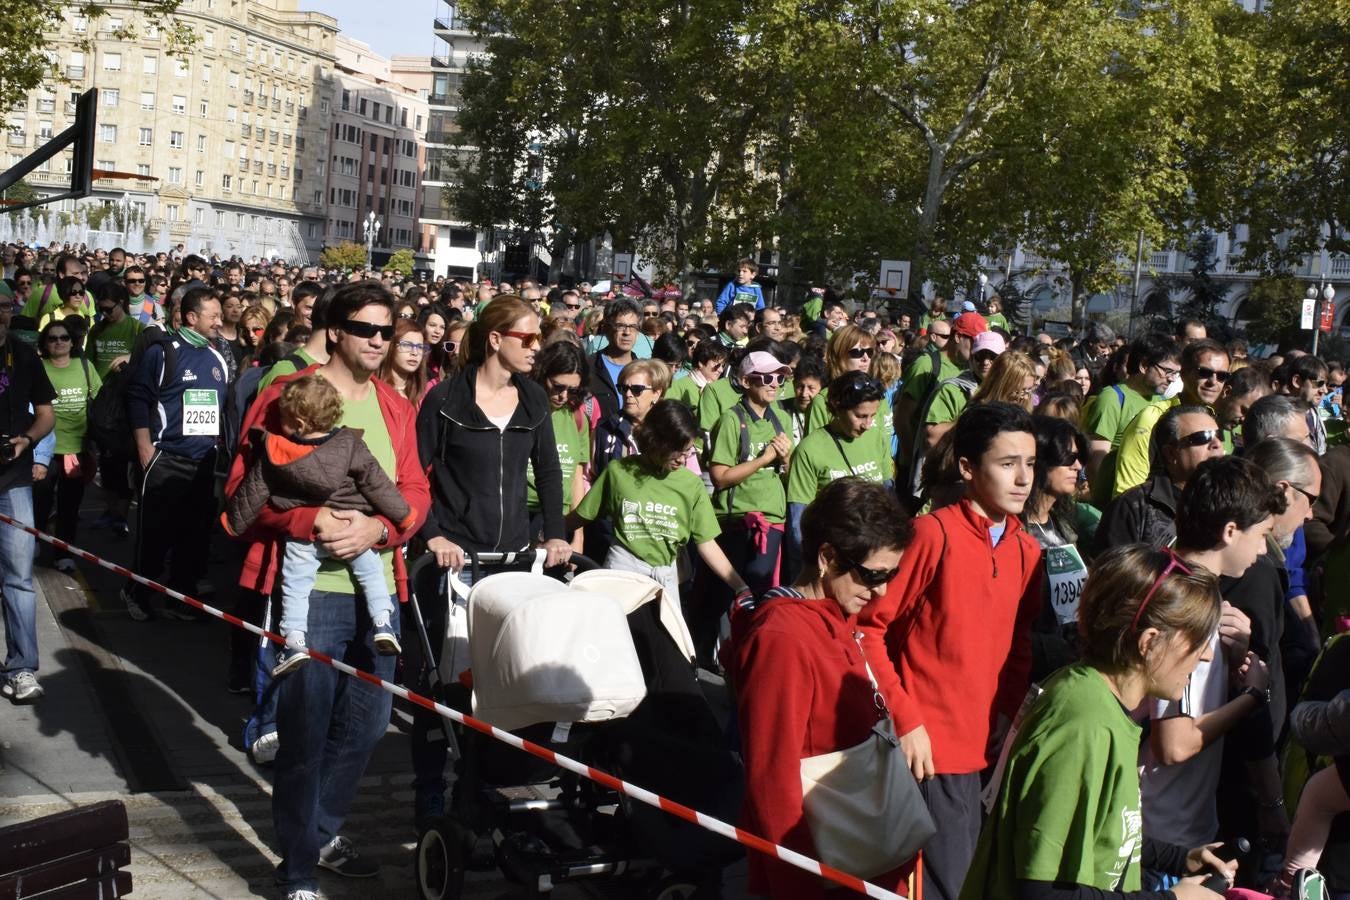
[[288, 660], [341, 857]]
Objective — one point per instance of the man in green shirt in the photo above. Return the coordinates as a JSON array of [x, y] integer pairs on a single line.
[[315, 349], [1204, 374], [1152, 364], [951, 344]]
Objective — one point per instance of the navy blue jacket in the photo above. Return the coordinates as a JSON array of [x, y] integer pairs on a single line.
[[155, 396]]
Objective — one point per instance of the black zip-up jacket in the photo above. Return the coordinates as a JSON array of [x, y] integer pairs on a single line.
[[477, 473], [1145, 514]]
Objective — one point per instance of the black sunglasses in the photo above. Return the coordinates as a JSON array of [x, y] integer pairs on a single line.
[[862, 352], [367, 329], [1198, 438], [1205, 373], [637, 390], [870, 577], [860, 391], [574, 394]]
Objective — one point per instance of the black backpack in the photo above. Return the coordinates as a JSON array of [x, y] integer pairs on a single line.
[[108, 426]]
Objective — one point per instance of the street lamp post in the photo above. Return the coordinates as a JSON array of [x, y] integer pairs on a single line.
[[1323, 293], [984, 283], [372, 228]]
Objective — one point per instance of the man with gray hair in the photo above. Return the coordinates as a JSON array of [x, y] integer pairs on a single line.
[[1250, 796], [1094, 349], [1276, 415]]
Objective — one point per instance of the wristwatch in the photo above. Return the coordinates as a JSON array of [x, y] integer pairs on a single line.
[[1262, 696]]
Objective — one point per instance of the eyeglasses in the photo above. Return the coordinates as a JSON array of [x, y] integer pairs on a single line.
[[413, 346], [869, 577], [636, 390], [624, 326], [24, 282], [450, 346], [1201, 438], [133, 281], [572, 305], [527, 339], [859, 391], [1205, 373], [651, 314], [367, 329], [574, 394], [1318, 382], [407, 316], [1312, 498], [58, 338], [1167, 373], [767, 379], [1174, 565], [862, 352]]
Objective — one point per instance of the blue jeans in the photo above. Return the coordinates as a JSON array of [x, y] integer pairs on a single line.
[[328, 723], [17, 549], [300, 569]]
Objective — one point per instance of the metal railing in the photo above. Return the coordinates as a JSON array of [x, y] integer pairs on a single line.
[[17, 138], [1160, 261], [1340, 265], [74, 71]]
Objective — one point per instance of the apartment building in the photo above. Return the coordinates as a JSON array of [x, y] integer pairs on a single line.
[[376, 155], [225, 141]]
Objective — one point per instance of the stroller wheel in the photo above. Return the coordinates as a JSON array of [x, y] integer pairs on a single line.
[[674, 887], [440, 858]]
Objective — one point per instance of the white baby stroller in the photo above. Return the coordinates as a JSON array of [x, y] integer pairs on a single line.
[[599, 669]]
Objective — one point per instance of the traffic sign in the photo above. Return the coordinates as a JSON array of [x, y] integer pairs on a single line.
[[1309, 311]]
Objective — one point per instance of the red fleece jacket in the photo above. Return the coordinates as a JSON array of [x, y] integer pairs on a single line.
[[802, 690], [272, 526], [953, 633]]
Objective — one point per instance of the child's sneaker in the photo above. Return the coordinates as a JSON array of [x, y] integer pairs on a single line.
[[386, 642], [291, 656], [1309, 885]]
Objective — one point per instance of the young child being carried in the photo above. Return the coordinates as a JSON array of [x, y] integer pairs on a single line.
[[316, 462]]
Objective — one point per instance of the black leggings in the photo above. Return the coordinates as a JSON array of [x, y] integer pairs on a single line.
[[65, 493]]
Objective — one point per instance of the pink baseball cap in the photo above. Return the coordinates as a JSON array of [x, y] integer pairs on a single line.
[[990, 341], [761, 362]]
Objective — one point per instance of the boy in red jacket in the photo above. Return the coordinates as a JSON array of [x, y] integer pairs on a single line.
[[955, 625]]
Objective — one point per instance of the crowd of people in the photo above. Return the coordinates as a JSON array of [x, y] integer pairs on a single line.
[[1094, 586]]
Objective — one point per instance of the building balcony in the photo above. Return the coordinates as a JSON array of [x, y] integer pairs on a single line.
[[290, 109], [1340, 265], [17, 138], [272, 170], [74, 71], [273, 137], [243, 165], [245, 131], [69, 107], [259, 132], [285, 140], [248, 96], [1160, 261], [447, 99], [276, 104], [46, 105], [257, 166]]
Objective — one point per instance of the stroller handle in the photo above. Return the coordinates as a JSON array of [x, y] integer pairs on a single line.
[[536, 557]]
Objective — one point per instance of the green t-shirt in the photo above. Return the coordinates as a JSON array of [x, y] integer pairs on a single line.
[[812, 309], [574, 449], [687, 391], [1068, 808], [1112, 412], [761, 492], [114, 341], [819, 415], [948, 403], [823, 457], [654, 515], [284, 367], [365, 414], [919, 379], [71, 405], [997, 320], [717, 398]]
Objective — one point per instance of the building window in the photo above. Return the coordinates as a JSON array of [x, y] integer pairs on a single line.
[[239, 220], [180, 68], [231, 113], [361, 107], [79, 25], [323, 105], [225, 182], [220, 218], [176, 140], [199, 216], [107, 134], [209, 39], [233, 81], [346, 99], [111, 96], [147, 100], [112, 62], [318, 198], [179, 105], [172, 211], [175, 175], [143, 170], [149, 65], [199, 179], [234, 43], [107, 165], [202, 108], [147, 136], [206, 74]]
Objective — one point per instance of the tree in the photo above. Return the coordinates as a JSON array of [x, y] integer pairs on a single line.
[[400, 262], [1278, 303], [346, 255], [1204, 295], [22, 22]]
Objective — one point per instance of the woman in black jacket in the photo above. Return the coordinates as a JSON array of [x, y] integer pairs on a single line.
[[475, 434]]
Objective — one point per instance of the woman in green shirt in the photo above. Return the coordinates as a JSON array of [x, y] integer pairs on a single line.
[[1066, 823], [560, 369], [62, 484], [848, 445], [656, 504]]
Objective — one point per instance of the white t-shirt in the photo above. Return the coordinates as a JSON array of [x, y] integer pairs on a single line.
[[1179, 800]]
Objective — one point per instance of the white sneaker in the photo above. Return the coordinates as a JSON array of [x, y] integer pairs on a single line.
[[302, 895], [66, 564], [23, 687], [265, 748]]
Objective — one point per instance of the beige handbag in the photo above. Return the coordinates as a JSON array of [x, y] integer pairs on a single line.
[[862, 804]]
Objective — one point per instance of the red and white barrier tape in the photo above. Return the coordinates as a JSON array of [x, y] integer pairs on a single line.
[[643, 795]]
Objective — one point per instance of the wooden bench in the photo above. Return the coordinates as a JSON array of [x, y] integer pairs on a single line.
[[72, 855]]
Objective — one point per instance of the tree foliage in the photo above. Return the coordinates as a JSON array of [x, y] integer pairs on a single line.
[[23, 67], [401, 262], [346, 255], [1275, 306]]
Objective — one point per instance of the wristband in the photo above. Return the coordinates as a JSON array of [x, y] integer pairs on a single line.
[[1262, 696]]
